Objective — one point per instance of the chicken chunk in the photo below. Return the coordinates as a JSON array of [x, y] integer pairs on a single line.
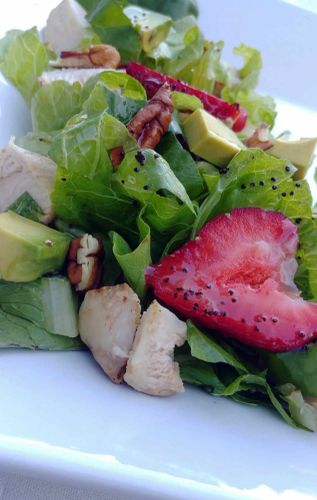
[[151, 368], [65, 26], [22, 171], [108, 319]]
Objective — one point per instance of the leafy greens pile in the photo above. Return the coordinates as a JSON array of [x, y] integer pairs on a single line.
[[143, 215]]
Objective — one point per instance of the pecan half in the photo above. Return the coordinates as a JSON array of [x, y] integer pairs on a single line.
[[260, 138], [102, 56], [85, 257], [150, 123]]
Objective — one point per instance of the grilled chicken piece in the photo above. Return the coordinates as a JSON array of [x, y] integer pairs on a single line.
[[151, 368], [65, 26], [22, 171], [108, 319]]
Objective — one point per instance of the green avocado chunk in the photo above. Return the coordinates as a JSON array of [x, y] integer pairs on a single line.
[[209, 138], [300, 153], [151, 26], [29, 249]]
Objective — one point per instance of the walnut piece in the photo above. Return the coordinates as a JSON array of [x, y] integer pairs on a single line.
[[102, 56], [85, 262], [150, 123]]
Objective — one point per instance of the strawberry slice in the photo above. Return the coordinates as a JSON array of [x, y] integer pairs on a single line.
[[236, 277], [153, 80]]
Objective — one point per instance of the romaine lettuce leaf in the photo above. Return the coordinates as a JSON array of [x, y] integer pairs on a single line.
[[261, 109], [182, 48], [210, 70], [117, 80], [39, 142], [296, 367], [115, 28], [54, 104], [167, 216], [48, 303], [219, 369], [254, 178], [252, 65], [186, 102], [27, 207], [303, 413], [19, 332], [173, 8], [121, 107], [134, 262], [82, 192], [143, 173], [23, 58], [306, 277], [182, 164]]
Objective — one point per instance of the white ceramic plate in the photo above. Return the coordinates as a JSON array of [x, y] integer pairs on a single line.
[[61, 418]]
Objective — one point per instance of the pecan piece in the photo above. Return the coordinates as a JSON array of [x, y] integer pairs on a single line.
[[150, 123], [102, 56], [260, 138], [85, 257]]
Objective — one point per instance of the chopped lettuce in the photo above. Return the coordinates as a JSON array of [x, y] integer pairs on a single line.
[[134, 262], [254, 178], [38, 315], [38, 142], [182, 48], [220, 369], [144, 174], [54, 104], [23, 57], [182, 164], [82, 192], [109, 21], [27, 207], [175, 8], [125, 84], [210, 70], [296, 367], [19, 332]]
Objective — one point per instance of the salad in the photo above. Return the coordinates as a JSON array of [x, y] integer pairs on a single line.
[[151, 215]]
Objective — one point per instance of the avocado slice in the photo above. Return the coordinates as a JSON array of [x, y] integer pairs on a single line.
[[209, 138], [152, 27], [29, 249], [300, 153]]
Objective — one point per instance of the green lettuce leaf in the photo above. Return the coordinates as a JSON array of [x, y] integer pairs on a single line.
[[48, 303], [134, 262], [181, 163], [252, 65], [261, 109], [82, 192], [303, 413], [54, 104], [217, 367], [254, 178], [115, 28], [23, 58], [167, 216], [27, 207], [175, 8], [144, 174], [306, 277], [39, 142], [121, 107], [182, 48], [296, 367], [117, 80], [19, 332], [210, 70]]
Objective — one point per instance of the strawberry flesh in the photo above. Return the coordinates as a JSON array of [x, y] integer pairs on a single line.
[[153, 80], [237, 277]]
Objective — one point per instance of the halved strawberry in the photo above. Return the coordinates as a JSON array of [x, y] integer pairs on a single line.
[[153, 80], [236, 277]]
